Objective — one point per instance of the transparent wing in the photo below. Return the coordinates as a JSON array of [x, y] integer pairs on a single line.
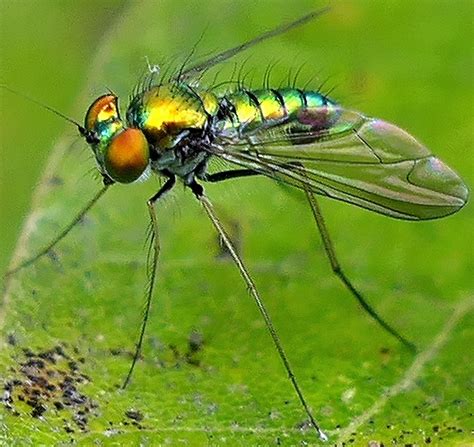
[[347, 156]]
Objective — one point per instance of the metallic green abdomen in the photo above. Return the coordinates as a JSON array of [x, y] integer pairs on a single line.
[[247, 110]]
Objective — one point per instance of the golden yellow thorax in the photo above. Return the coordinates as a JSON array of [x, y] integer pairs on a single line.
[[169, 110]]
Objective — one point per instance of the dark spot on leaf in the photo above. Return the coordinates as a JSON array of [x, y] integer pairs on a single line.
[[72, 365], [174, 350], [136, 415], [27, 352], [49, 381], [11, 339], [55, 181], [195, 342], [38, 410], [122, 352], [137, 424], [115, 351], [305, 425]]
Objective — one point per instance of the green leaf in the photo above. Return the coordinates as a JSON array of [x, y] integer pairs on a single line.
[[209, 374]]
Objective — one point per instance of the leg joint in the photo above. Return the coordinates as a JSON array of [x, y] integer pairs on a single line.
[[196, 188]]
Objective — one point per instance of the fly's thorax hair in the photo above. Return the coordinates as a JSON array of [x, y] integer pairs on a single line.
[[247, 105]]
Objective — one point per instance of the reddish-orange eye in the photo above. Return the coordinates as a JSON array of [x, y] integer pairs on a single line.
[[127, 156]]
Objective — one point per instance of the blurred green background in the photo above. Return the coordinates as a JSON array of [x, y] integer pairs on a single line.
[[46, 49], [408, 62], [395, 59]]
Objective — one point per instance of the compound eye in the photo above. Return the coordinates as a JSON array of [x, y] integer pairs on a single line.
[[127, 156], [102, 109]]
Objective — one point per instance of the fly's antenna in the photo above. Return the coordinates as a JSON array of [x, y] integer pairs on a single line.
[[81, 129]]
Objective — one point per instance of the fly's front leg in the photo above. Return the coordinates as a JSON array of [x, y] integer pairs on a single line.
[[152, 265], [79, 216]]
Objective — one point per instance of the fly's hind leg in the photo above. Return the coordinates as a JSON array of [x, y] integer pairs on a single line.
[[336, 268], [329, 249], [251, 287], [227, 175]]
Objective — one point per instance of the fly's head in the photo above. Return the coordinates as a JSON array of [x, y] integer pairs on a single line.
[[121, 152]]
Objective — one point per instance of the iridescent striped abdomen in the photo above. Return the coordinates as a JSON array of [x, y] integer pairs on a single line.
[[247, 110]]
